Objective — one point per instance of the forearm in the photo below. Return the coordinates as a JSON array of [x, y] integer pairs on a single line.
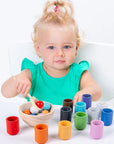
[[9, 88], [93, 89]]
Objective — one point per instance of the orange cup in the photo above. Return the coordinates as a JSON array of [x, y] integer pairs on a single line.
[[64, 130], [41, 133]]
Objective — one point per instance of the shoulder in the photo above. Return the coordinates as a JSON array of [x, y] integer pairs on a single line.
[[84, 65], [27, 63], [81, 66]]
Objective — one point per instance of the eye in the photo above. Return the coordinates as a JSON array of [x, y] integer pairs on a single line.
[[66, 46], [51, 47]]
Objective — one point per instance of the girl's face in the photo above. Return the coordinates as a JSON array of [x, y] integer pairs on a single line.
[[57, 46]]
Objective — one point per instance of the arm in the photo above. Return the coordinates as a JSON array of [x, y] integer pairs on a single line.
[[20, 83], [88, 86]]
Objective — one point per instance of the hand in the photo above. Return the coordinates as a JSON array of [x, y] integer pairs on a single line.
[[23, 84], [77, 98]]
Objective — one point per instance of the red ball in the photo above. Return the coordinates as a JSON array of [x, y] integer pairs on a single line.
[[40, 104]]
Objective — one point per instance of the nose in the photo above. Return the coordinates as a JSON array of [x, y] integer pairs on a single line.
[[60, 52]]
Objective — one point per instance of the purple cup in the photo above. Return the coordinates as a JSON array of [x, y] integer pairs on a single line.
[[87, 98]]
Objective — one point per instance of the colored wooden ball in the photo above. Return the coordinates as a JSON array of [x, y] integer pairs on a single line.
[[40, 114], [40, 104], [45, 111], [27, 112], [33, 110], [47, 106], [33, 114]]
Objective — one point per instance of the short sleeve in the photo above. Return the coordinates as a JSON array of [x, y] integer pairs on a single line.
[[84, 65], [28, 64]]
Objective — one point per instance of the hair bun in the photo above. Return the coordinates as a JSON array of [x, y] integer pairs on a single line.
[[64, 7], [59, 3]]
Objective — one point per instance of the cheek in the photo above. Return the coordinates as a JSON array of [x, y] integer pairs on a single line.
[[71, 56], [47, 57]]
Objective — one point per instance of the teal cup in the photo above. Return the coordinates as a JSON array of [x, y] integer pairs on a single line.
[[80, 107], [80, 120]]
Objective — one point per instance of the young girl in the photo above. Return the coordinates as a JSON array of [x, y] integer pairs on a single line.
[[56, 40]]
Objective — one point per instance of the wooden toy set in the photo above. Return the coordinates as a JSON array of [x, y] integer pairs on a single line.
[[38, 114]]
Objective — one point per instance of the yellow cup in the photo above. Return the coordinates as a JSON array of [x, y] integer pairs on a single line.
[[64, 132]]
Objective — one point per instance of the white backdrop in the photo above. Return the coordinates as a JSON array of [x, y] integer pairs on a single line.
[[95, 18]]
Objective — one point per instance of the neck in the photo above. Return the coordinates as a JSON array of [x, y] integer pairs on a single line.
[[57, 73]]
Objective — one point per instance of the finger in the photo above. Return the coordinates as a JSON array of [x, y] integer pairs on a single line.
[[20, 87], [75, 100], [79, 99], [27, 91], [23, 89], [17, 86]]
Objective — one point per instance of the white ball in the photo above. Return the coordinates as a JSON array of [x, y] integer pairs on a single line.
[[33, 110]]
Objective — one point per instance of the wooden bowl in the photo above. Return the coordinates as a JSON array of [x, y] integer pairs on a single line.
[[33, 120]]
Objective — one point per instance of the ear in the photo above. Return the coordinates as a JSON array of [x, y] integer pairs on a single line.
[[77, 46], [37, 49]]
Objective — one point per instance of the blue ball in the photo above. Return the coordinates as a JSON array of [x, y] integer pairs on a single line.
[[46, 106], [32, 114]]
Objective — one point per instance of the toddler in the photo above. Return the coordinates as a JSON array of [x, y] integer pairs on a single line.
[[56, 40]]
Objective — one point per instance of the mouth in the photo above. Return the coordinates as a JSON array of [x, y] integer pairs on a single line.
[[60, 61]]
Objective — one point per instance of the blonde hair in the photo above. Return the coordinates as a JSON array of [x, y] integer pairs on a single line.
[[57, 12]]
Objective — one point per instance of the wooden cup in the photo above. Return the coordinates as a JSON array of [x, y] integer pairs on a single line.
[[41, 133], [64, 132], [12, 125], [68, 102]]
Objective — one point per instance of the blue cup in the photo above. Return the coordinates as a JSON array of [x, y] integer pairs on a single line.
[[87, 98], [80, 107], [107, 116]]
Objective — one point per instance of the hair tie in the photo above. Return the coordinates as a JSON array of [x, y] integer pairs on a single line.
[[56, 8]]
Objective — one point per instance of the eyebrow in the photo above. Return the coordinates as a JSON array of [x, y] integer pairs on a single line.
[[49, 43], [63, 43]]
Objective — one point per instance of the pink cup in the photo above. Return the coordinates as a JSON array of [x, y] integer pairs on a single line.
[[96, 130]]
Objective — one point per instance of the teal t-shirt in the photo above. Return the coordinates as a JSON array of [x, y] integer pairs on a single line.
[[54, 90]]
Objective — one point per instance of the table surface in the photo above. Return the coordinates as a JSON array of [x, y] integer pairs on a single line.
[[9, 107]]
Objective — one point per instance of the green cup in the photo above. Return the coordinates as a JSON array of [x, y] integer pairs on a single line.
[[80, 120]]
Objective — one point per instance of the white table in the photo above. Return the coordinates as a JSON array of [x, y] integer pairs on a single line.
[[9, 107]]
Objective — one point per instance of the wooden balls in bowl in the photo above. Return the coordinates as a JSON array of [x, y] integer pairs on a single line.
[[33, 120]]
